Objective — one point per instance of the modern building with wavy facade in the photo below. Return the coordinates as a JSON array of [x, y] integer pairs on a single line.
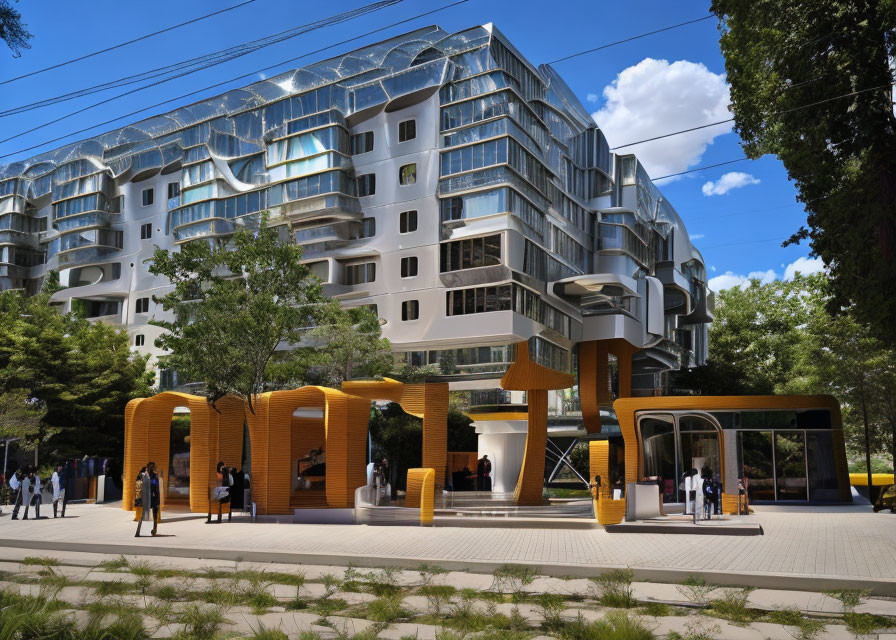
[[440, 178]]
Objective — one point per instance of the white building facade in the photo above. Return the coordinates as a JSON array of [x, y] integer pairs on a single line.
[[441, 178]]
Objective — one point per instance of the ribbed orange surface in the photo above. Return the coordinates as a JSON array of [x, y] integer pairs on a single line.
[[588, 385], [729, 503], [420, 492], [148, 438], [609, 511], [531, 481], [345, 441], [428, 401]]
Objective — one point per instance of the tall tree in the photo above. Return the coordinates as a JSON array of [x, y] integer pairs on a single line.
[[12, 31], [233, 306], [79, 375], [811, 81]]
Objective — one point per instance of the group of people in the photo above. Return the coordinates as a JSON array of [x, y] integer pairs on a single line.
[[26, 489]]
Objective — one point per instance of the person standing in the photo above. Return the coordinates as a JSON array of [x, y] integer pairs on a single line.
[[58, 491], [151, 498], [27, 483], [15, 483], [37, 497]]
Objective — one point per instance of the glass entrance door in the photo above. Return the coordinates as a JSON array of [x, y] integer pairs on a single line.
[[774, 464], [757, 464], [658, 438]]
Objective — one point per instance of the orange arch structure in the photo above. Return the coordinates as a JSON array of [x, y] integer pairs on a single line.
[[428, 401], [214, 435], [345, 419]]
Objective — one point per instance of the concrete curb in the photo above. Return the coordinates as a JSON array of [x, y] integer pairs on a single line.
[[795, 582]]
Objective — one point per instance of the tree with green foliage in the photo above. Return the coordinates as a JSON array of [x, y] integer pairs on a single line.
[[20, 416], [12, 30], [811, 82], [755, 338], [250, 317], [779, 337], [348, 346], [78, 375]]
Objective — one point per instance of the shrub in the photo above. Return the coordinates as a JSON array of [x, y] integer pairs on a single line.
[[614, 588], [166, 592], [696, 590], [384, 582], [511, 578], [617, 625], [550, 608], [806, 628], [656, 609], [126, 627], [732, 606], [428, 572], [116, 588], [325, 607], [437, 595], [261, 601], [863, 624], [386, 609], [849, 598], [201, 623]]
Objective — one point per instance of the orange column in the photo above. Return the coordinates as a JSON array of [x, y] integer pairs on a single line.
[[529, 486], [435, 430]]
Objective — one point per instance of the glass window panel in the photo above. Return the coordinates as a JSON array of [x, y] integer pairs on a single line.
[[790, 465], [756, 466]]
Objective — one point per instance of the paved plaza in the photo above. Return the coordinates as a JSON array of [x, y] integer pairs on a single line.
[[811, 548]]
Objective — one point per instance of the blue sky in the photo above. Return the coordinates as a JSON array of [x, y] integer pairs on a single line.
[[737, 214]]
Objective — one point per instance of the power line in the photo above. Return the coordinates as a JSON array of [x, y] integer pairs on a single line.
[[774, 113], [313, 26], [637, 37], [124, 44], [734, 244], [681, 173], [246, 75], [201, 62]]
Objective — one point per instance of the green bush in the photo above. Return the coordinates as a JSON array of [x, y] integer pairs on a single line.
[[806, 628], [550, 608], [437, 595], [512, 578], [386, 609], [696, 590], [617, 625], [863, 624], [200, 623], [732, 606], [614, 588]]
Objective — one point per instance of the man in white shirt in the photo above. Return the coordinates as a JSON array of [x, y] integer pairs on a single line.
[[58, 491], [37, 497], [15, 484]]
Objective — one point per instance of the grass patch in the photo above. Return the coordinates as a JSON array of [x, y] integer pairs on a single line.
[[849, 598], [617, 625], [261, 601], [167, 592], [111, 588], [732, 606], [862, 624], [429, 571], [655, 609], [269, 634], [386, 609], [696, 590], [512, 578], [806, 628], [126, 627], [437, 595], [113, 565], [550, 607], [614, 588], [326, 607], [40, 561], [200, 623], [296, 604]]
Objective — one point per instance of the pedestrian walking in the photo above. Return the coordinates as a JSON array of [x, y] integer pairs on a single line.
[[150, 498], [15, 483], [27, 483]]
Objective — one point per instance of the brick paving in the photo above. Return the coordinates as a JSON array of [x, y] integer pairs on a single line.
[[818, 542]]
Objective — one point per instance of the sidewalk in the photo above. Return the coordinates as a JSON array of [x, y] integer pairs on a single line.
[[804, 548]]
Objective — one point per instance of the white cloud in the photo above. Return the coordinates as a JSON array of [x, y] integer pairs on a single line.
[[729, 181], [729, 279], [712, 268], [655, 97], [697, 236], [592, 97], [804, 265]]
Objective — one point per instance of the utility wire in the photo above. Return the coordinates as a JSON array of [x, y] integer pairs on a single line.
[[201, 62], [124, 44], [709, 166], [774, 113], [637, 37], [241, 77], [313, 26]]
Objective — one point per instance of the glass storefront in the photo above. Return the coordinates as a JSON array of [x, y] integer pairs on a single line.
[[784, 456]]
